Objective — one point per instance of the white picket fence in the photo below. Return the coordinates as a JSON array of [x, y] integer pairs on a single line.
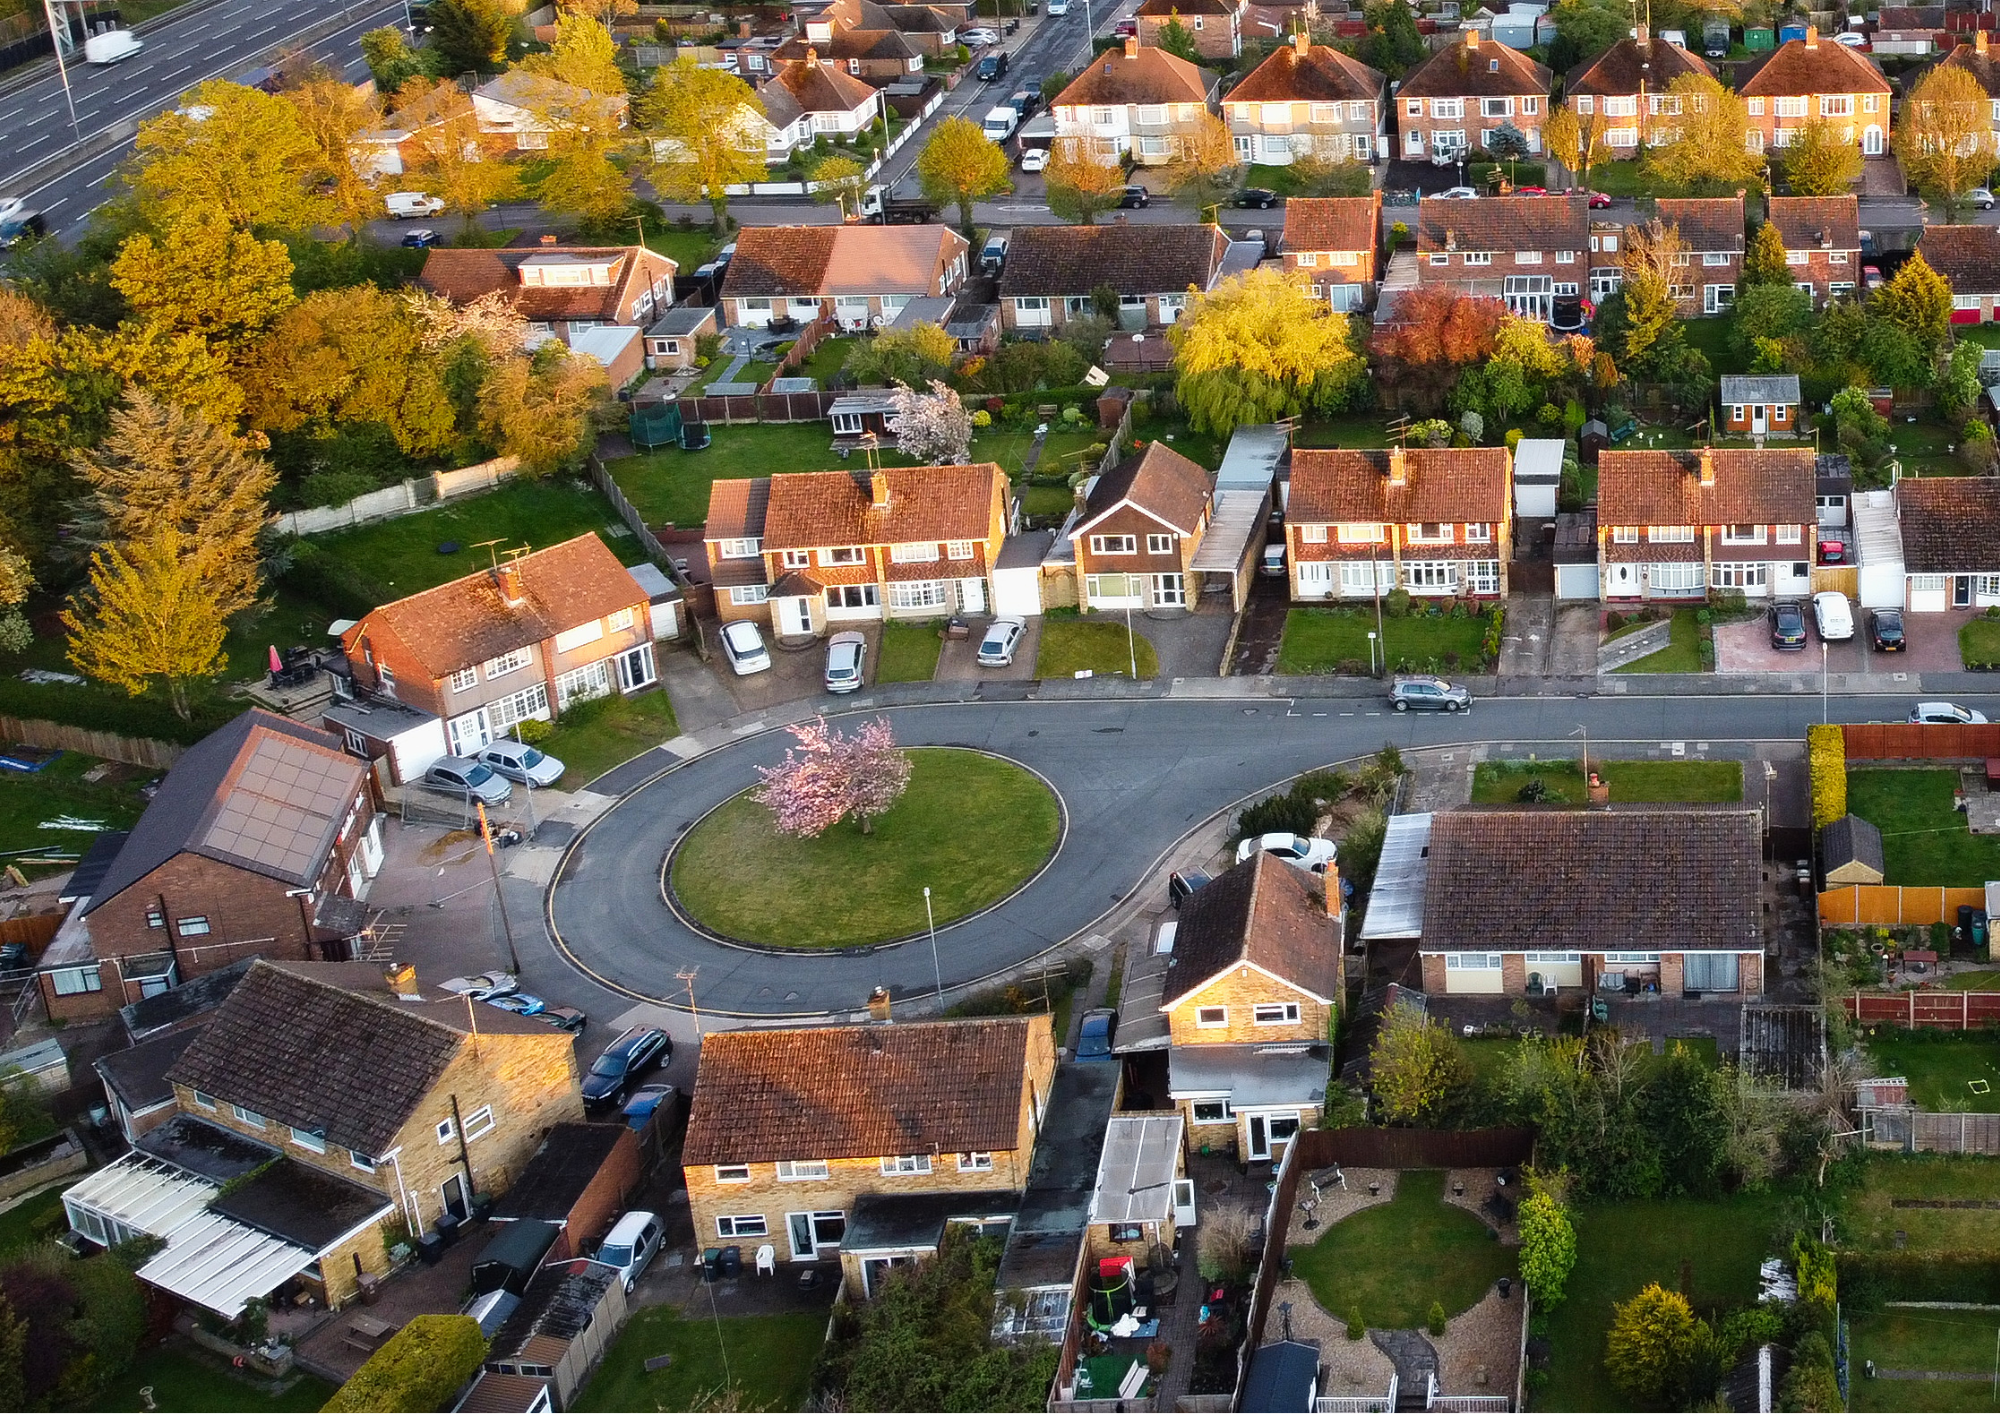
[[1358, 1403], [799, 188]]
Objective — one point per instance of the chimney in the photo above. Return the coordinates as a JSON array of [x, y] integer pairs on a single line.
[[1302, 43], [548, 240], [508, 577], [878, 1004], [1645, 38], [1398, 475], [1708, 466], [812, 58], [743, 29], [1132, 46], [878, 490], [1451, 238], [1332, 882], [1812, 36], [1979, 42], [402, 979], [1472, 39]]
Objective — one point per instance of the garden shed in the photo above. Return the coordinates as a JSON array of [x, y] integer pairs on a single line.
[[1850, 852]]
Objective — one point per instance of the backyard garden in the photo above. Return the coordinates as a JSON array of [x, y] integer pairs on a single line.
[[738, 1362], [1631, 782], [1925, 840]]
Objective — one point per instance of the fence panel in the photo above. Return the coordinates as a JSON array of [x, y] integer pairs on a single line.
[[61, 736], [404, 498], [1419, 1148], [1946, 1011], [1913, 741], [629, 513], [1916, 1131], [1890, 904]]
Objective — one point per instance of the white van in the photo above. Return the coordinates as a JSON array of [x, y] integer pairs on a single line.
[[631, 1244], [1058, 7], [408, 205], [111, 46], [1001, 122]]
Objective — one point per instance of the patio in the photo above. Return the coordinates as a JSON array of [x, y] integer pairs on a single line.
[[328, 1343]]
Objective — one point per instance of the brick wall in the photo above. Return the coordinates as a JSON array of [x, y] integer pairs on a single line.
[[1240, 990], [1750, 973]]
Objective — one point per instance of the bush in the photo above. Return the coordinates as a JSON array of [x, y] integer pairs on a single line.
[[1356, 1327], [1867, 1279], [1279, 814], [1826, 764], [982, 418], [533, 730], [1614, 621], [1396, 603], [334, 488], [422, 1367], [1435, 1321]]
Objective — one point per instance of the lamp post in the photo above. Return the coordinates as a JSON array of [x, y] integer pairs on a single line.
[[1822, 682], [499, 896], [1131, 643], [1584, 732], [930, 920]]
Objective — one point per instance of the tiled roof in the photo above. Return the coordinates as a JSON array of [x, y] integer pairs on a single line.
[[469, 620], [463, 276], [1159, 480], [1760, 388], [839, 260], [851, 1092], [820, 88], [1504, 223], [1761, 487], [779, 260], [137, 1075], [1136, 74], [1322, 75], [736, 505], [1968, 256], [1134, 259], [1627, 64], [1706, 222], [1448, 484], [852, 44], [808, 509], [1950, 524], [1984, 67], [1817, 222], [1472, 68], [1262, 911], [1569, 880], [1315, 223], [1164, 9], [1793, 68]]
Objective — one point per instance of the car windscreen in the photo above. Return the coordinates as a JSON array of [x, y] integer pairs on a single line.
[[478, 775], [531, 758], [609, 1065], [614, 1256]]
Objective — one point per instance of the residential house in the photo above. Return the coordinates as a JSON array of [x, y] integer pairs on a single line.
[[1822, 236], [135, 1081], [1216, 26], [864, 1141], [1969, 257], [415, 129], [858, 276], [1452, 103], [673, 340], [1532, 902], [930, 28], [261, 841], [1760, 404], [1335, 242], [1052, 273], [1676, 525], [561, 291], [1309, 100], [806, 100], [522, 640], [1627, 86], [1816, 78], [1251, 992], [1712, 229], [810, 551], [1433, 521], [1527, 250], [1139, 101], [876, 56], [528, 107], [1948, 525], [1984, 65], [1156, 499]]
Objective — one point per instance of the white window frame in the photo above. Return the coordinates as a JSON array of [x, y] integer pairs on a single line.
[[576, 637], [1275, 1014], [742, 548], [1675, 576], [978, 1161], [796, 559], [1473, 962], [246, 1116], [958, 549], [1743, 535], [898, 1164], [913, 552], [307, 1140], [802, 1170], [841, 555], [1624, 535], [464, 680], [1478, 532], [1160, 544], [207, 1102], [479, 1123], [195, 925], [744, 595], [732, 1173], [1211, 1112], [742, 1225], [446, 1131], [1670, 534], [1210, 1017], [619, 622], [360, 1161], [1362, 533], [1114, 544], [918, 594]]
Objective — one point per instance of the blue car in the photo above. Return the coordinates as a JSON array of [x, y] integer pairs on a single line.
[[520, 1003], [1094, 1043]]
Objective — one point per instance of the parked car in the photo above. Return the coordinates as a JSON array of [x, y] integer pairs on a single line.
[[1093, 1042], [408, 205], [991, 68], [638, 1111], [1599, 201], [744, 647], [1871, 277], [613, 1074], [423, 238], [1273, 563], [846, 656], [1134, 196], [1034, 159], [564, 1018], [518, 761], [1301, 851], [20, 222], [1262, 198], [1788, 626], [1885, 630], [1183, 884], [520, 1003], [1003, 637], [993, 256], [630, 1246], [1851, 40], [1428, 695], [1946, 713], [1125, 29], [1459, 194], [1832, 616], [972, 38], [468, 779], [482, 986], [1980, 197]]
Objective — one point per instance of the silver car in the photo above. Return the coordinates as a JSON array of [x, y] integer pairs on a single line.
[[518, 761], [1003, 637], [744, 647], [1428, 695], [846, 655], [468, 780]]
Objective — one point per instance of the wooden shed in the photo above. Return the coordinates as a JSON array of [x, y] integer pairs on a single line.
[[1850, 852]]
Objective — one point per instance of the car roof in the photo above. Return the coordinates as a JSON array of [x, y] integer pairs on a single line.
[[630, 1226], [737, 628]]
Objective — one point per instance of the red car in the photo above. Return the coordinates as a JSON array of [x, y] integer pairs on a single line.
[[1531, 191], [1598, 200], [1125, 29]]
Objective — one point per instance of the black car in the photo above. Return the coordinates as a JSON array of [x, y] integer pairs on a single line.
[[993, 66], [1182, 883], [1263, 198], [1134, 196], [625, 1060], [564, 1018], [1885, 630], [1788, 627]]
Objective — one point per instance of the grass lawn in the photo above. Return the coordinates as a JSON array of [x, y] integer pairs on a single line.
[[1924, 840], [769, 1359], [1682, 653], [1069, 647], [1353, 431], [1393, 1260], [1046, 500], [689, 249], [825, 360], [595, 736], [1649, 782], [1326, 640], [970, 826], [672, 486], [180, 1380], [1487, 1054], [909, 653], [1979, 642], [1203, 447], [33, 1219], [1975, 1392], [1928, 1340], [1622, 1246], [1870, 1214], [1943, 1075], [1972, 982], [1711, 336], [28, 803]]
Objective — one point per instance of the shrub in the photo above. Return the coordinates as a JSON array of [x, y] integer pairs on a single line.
[[1614, 621], [982, 418], [533, 730], [1399, 234], [1222, 1245], [1533, 791], [1513, 438], [1356, 1327], [335, 488], [1279, 814], [1435, 1320], [1548, 1247], [1396, 603], [1826, 765], [422, 1367]]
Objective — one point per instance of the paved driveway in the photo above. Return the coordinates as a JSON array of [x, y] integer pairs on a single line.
[[1745, 647], [959, 662]]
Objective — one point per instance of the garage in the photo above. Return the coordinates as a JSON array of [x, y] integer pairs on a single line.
[[1017, 574]]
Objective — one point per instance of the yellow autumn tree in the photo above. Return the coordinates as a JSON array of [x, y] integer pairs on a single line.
[[1081, 184], [1259, 347], [539, 409], [147, 616], [1709, 149], [1945, 138]]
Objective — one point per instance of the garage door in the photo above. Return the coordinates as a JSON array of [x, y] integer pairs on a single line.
[[1018, 592], [1576, 581]]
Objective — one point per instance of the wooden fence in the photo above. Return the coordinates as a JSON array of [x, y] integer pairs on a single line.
[[1916, 1131], [1420, 1148], [1891, 904], [1949, 1011], [1912, 741], [61, 736], [629, 513], [761, 407]]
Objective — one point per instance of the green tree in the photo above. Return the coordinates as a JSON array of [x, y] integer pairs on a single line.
[[1958, 386], [1812, 1383], [583, 180], [1944, 137], [1708, 152], [1821, 161], [1774, 313], [1418, 1072], [961, 165], [333, 113], [205, 278], [583, 53], [1652, 328], [148, 615], [840, 180], [913, 357], [709, 134], [1206, 166], [448, 159], [1548, 1245], [1653, 1346], [1918, 301], [1177, 39], [1054, 84], [1764, 260], [1588, 27], [1392, 43], [1575, 139], [470, 36], [1688, 1107], [539, 409], [389, 57], [233, 153], [13, 1357], [1259, 347], [1081, 184]]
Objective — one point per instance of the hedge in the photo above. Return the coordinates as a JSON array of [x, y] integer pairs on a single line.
[[1826, 761], [422, 1367], [1867, 1279]]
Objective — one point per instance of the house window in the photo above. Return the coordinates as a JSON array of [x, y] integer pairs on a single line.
[[1624, 535], [1715, 257], [1168, 591], [1675, 578], [1671, 534], [801, 1170], [1472, 961], [1565, 257], [958, 549], [797, 559], [619, 621], [1736, 412], [1440, 258], [507, 662], [1632, 957], [1754, 574], [917, 594], [1343, 259], [1359, 534], [361, 1161], [975, 1162], [1478, 533], [194, 927], [1212, 1112], [156, 916], [1308, 259], [465, 679], [1794, 107], [914, 553], [1798, 257], [307, 1140], [1479, 257], [1430, 574], [841, 555], [479, 1123], [907, 1163], [207, 1102], [1482, 576], [1211, 1016], [853, 596], [1313, 534], [1114, 544], [1159, 544], [1787, 534], [749, 594], [73, 981], [1430, 532], [446, 1131], [1527, 257], [1621, 106], [249, 1117], [1743, 535], [1836, 105], [1496, 107], [1275, 1013], [744, 1225], [745, 548], [732, 1173], [571, 638]]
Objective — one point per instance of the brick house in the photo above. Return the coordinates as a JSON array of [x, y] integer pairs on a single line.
[[1969, 257], [1712, 229], [1822, 236], [1433, 521], [806, 99], [930, 29], [261, 841], [861, 277], [1978, 60], [1527, 250], [1156, 499], [1816, 78], [1527, 902], [864, 1142], [1252, 990], [1216, 26], [1335, 242], [1452, 102], [1138, 101], [1052, 271], [1309, 100], [810, 551], [1627, 86], [1946, 524], [1675, 525], [559, 290], [1760, 404], [520, 641]]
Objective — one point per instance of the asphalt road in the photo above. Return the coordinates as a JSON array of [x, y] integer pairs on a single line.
[[1134, 777]]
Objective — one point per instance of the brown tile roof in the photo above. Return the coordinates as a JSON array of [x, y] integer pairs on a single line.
[[1587, 880], [1322, 75], [1984, 67], [856, 1092], [1159, 480], [736, 505], [1950, 524], [1314, 223], [469, 620], [821, 88], [1752, 487], [463, 276], [1449, 484], [1626, 64], [1137, 74], [779, 260], [1264, 912], [852, 44], [815, 508], [1706, 222], [1792, 69], [1817, 222], [1504, 223], [1133, 259], [840, 260], [1164, 9], [1968, 256], [1475, 68]]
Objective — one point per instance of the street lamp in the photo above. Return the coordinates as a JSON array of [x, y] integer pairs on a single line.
[[1822, 682], [931, 919]]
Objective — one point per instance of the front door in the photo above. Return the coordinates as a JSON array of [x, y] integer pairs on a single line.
[[635, 668], [1260, 1138], [795, 617], [1871, 142], [1760, 419], [457, 1201], [972, 596], [1961, 591], [1624, 578]]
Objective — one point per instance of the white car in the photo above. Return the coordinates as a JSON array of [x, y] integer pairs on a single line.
[[973, 38], [846, 655], [1003, 636], [1851, 40], [744, 647], [1459, 194], [518, 761], [1034, 159], [1832, 616], [1296, 850], [1979, 197], [1946, 713], [408, 205]]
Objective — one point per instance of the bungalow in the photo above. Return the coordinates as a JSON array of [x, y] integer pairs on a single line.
[[1816, 78], [1527, 250], [877, 56], [527, 107], [1309, 100], [1627, 86], [1432, 521], [930, 29], [1822, 236], [1452, 103], [1156, 498], [1949, 527], [860, 277], [1712, 229], [1676, 525], [1053, 272], [1760, 404], [1139, 101], [1335, 242], [560, 290], [1216, 26], [1969, 257]]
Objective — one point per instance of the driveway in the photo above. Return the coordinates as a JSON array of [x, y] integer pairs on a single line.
[[959, 662], [1745, 647], [1933, 640], [1263, 631], [1189, 645]]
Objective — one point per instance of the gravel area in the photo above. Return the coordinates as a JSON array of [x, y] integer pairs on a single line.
[[1336, 1203], [1480, 1185], [1353, 1367], [1480, 1351]]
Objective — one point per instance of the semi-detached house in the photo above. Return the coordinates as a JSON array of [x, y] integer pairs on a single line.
[[1216, 26], [1675, 525], [1627, 85], [1978, 59], [1822, 236], [861, 277], [1334, 242], [1312, 101], [1139, 101], [1969, 257], [1706, 279], [1432, 521], [1527, 250], [1453, 102], [1053, 272], [1814, 78]]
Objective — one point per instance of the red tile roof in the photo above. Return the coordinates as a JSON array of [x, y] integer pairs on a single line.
[[1159, 480], [810, 509], [1818, 65], [1321, 75], [1316, 223], [840, 260], [1982, 66], [821, 88], [1817, 222], [1497, 223], [1475, 68], [1623, 67], [463, 276], [1262, 911], [1751, 487], [1706, 223], [1136, 74], [1455, 485], [1948, 523], [736, 505], [1968, 256]]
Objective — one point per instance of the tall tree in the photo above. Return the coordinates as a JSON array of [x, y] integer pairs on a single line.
[[539, 409], [1177, 39], [148, 615], [390, 60], [1587, 27], [1258, 348], [1081, 185], [1439, 333], [1918, 301], [231, 152], [1205, 167], [934, 427], [960, 165], [1654, 258], [918, 354], [1548, 1243], [1764, 260], [1821, 161], [1944, 138], [470, 36], [448, 158], [350, 356], [333, 113], [206, 278], [840, 180], [582, 180], [1651, 1350], [1709, 149], [1392, 43], [709, 133], [1575, 139], [583, 53]]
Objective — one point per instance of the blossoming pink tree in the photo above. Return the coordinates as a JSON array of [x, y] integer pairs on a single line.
[[828, 777]]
